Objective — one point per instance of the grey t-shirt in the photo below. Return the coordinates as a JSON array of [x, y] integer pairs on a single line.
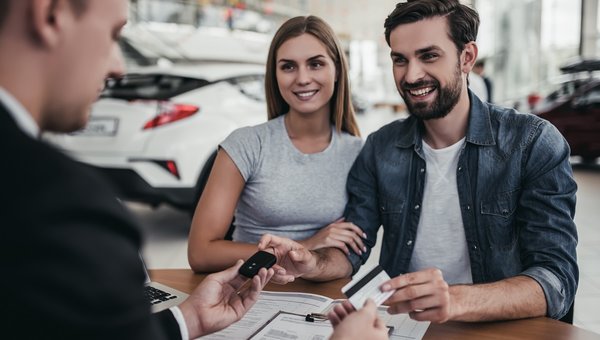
[[288, 193]]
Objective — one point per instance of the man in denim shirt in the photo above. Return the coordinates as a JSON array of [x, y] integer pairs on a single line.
[[476, 201]]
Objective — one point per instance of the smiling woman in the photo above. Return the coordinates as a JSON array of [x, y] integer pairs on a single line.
[[286, 176]]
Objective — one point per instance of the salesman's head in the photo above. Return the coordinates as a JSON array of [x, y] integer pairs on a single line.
[[56, 54], [433, 50]]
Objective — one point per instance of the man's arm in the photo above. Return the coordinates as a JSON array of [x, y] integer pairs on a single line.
[[513, 298], [331, 264], [362, 208], [546, 208], [294, 260], [426, 296]]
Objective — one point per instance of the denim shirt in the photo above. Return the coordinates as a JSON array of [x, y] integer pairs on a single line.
[[516, 193]]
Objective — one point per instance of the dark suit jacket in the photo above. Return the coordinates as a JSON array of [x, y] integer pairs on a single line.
[[69, 259]]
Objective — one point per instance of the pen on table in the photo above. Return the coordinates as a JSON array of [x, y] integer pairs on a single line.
[[312, 317]]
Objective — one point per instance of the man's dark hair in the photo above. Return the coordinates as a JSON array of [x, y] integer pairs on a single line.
[[463, 21]]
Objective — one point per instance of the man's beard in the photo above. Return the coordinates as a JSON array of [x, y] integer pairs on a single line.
[[445, 100]]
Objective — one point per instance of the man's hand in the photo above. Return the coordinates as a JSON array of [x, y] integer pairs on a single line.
[[424, 295], [362, 324], [293, 259], [218, 301]]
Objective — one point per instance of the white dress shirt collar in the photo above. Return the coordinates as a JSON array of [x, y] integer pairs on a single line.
[[21, 116]]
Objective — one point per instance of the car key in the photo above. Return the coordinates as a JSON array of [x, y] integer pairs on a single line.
[[260, 259]]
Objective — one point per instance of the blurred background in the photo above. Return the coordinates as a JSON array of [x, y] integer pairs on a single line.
[[196, 71], [524, 42]]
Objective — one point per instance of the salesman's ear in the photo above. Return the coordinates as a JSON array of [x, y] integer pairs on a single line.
[[47, 20]]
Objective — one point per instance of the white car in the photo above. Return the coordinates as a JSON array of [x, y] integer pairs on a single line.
[[155, 132]]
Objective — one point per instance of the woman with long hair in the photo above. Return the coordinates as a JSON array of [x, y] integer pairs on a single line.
[[287, 176]]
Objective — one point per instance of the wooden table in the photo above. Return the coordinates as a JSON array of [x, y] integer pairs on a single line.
[[535, 328]]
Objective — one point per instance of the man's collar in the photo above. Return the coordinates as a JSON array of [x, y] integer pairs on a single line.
[[479, 130], [21, 116]]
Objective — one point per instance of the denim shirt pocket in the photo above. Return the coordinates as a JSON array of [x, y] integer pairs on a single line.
[[498, 217], [391, 211]]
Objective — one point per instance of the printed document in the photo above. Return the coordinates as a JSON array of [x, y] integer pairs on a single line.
[[264, 320]]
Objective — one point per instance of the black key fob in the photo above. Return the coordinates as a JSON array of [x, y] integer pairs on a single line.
[[261, 259]]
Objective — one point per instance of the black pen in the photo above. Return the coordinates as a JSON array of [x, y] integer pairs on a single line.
[[312, 317]]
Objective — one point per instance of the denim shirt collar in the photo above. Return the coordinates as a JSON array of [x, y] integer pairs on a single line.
[[479, 130], [480, 125]]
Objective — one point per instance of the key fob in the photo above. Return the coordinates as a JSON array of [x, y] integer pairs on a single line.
[[260, 259]]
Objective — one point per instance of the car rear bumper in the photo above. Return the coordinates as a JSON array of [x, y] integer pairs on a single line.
[[131, 186]]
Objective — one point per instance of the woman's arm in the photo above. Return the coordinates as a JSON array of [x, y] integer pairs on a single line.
[[207, 249]]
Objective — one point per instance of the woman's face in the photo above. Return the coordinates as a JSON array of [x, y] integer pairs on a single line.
[[306, 74]]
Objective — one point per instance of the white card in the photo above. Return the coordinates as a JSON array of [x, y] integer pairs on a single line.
[[367, 286]]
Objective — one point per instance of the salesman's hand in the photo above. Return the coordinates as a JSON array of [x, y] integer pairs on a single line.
[[293, 259], [424, 295], [218, 301], [361, 324]]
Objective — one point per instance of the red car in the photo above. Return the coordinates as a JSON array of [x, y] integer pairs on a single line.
[[575, 110]]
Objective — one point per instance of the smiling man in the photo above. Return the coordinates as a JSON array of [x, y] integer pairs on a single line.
[[476, 201]]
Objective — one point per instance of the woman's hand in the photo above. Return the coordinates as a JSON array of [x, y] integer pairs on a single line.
[[339, 234]]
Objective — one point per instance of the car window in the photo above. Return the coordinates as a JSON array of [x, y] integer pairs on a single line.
[[252, 86], [135, 55], [150, 86]]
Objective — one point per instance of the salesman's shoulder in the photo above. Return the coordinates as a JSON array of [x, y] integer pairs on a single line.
[[40, 179]]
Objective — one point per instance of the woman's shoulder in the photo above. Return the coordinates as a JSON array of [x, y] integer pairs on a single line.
[[350, 140], [349, 145], [256, 132]]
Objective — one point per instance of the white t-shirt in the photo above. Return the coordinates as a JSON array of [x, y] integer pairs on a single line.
[[441, 240]]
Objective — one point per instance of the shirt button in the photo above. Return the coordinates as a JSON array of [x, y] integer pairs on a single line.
[[417, 207], [475, 246], [409, 242], [422, 170], [468, 207], [382, 208], [460, 168]]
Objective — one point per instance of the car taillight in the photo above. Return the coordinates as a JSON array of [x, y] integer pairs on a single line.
[[171, 113], [170, 166]]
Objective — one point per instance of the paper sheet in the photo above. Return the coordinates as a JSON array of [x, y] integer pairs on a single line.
[[268, 304], [290, 324]]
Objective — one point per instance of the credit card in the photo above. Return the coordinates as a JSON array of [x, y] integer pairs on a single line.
[[367, 286]]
